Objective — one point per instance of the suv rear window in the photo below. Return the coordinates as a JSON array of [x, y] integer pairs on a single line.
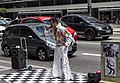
[[77, 19], [68, 19]]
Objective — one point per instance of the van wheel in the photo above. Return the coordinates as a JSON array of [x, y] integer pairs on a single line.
[[42, 54], [6, 51], [105, 37], [89, 35]]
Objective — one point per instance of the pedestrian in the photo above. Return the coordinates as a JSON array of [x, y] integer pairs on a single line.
[[61, 62], [107, 19]]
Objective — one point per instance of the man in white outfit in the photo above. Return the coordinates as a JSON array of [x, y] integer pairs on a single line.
[[61, 51]]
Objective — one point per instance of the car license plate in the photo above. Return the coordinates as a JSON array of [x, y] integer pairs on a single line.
[[70, 48], [108, 31]]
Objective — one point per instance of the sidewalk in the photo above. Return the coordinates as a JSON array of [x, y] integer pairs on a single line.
[[40, 75]]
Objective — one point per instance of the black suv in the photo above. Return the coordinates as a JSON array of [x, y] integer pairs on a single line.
[[37, 43], [88, 26]]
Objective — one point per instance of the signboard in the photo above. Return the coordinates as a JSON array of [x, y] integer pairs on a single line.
[[110, 53]]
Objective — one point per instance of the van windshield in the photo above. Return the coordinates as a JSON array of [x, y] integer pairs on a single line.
[[90, 19], [41, 32]]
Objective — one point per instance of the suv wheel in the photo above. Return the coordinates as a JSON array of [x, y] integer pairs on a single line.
[[6, 51], [89, 35], [105, 37], [42, 55]]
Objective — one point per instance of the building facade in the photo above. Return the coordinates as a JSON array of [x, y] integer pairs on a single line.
[[23, 8]]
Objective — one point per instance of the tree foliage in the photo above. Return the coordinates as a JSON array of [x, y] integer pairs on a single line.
[[3, 10]]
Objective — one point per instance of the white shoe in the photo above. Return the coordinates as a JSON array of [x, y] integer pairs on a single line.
[[69, 78]]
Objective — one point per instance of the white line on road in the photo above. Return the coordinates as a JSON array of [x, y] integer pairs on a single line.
[[115, 37], [116, 32], [90, 54], [2, 61], [4, 67], [88, 42]]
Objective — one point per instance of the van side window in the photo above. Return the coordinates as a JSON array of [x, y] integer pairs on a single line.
[[77, 20], [15, 31], [7, 31], [25, 31]]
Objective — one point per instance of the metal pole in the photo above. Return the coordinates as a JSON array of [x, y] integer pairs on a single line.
[[70, 1], [54, 2], [89, 7]]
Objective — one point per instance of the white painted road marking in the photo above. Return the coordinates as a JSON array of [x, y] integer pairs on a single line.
[[79, 42], [90, 54]]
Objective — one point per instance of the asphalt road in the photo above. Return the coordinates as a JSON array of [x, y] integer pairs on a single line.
[[86, 59]]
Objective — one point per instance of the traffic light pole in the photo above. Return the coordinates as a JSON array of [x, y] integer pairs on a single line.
[[89, 7]]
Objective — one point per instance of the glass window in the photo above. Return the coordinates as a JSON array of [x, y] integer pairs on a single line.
[[77, 20], [90, 19], [36, 21], [7, 31], [62, 2], [15, 31], [25, 31], [79, 1], [28, 21], [15, 22], [40, 30], [47, 2], [47, 22], [2, 21], [67, 19]]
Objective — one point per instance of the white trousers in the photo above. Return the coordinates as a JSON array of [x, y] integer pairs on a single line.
[[60, 56]]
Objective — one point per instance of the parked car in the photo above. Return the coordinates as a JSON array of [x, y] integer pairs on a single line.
[[46, 19], [15, 21], [2, 28], [3, 23], [8, 20], [37, 43], [31, 20], [88, 26]]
